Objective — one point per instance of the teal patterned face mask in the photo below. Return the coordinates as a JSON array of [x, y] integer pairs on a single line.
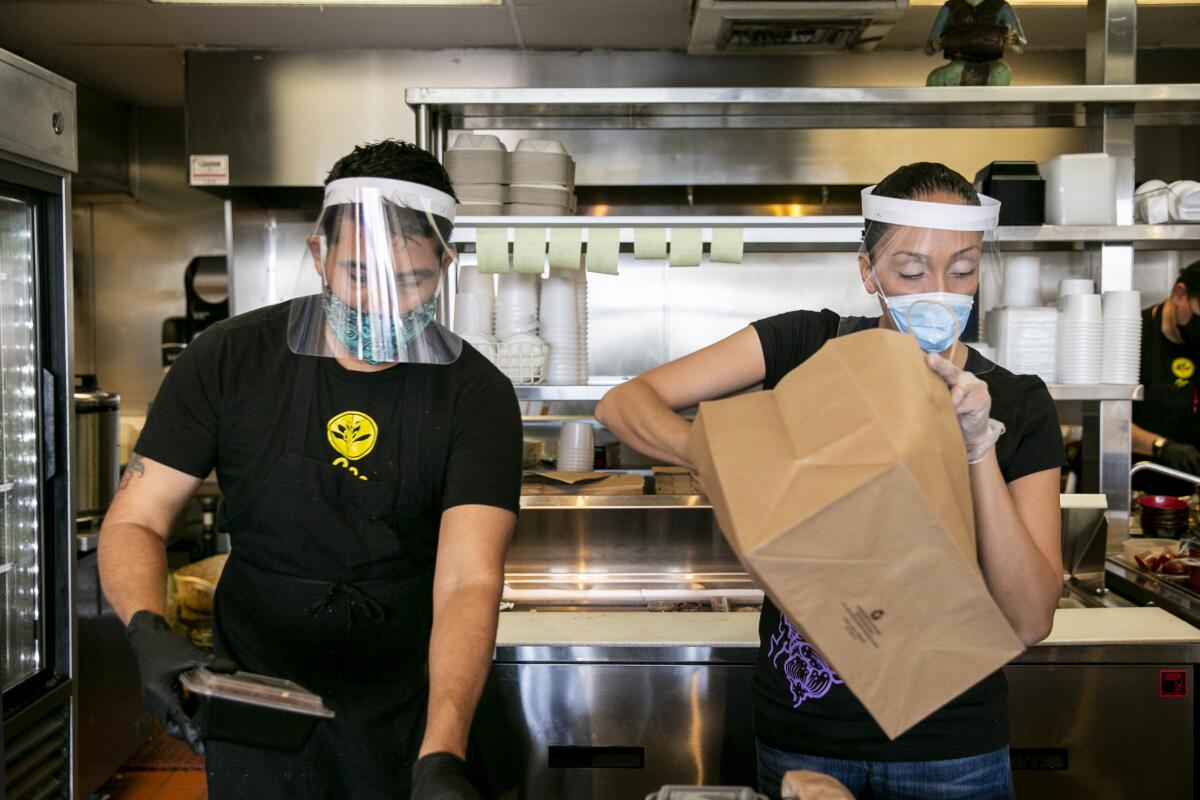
[[375, 338]]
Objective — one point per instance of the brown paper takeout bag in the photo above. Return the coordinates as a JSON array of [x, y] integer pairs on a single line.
[[844, 491]]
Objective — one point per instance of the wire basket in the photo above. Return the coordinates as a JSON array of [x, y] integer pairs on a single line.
[[524, 359]]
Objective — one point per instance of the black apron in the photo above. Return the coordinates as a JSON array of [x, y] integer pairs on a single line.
[[1171, 407], [327, 587]]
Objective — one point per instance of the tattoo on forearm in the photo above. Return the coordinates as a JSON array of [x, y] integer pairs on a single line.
[[134, 469]]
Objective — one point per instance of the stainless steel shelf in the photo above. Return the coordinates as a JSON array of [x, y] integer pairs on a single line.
[[696, 501], [563, 393], [1059, 391], [835, 232], [1095, 391], [846, 107], [6, 487]]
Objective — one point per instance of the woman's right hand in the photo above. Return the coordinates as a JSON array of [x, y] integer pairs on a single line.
[[643, 413]]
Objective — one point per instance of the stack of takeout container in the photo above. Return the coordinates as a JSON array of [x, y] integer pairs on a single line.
[[1026, 340], [1080, 339], [542, 176], [1122, 337], [1023, 332], [478, 168]]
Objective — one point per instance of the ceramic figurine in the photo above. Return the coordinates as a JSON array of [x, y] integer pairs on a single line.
[[972, 35]]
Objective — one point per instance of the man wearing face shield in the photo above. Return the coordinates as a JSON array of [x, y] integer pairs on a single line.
[[927, 241], [1166, 425], [370, 464]]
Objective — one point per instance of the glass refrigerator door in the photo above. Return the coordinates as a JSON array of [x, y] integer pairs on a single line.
[[21, 653]]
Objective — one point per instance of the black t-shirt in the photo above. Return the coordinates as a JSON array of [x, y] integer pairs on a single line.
[[801, 705], [226, 404], [1172, 397]]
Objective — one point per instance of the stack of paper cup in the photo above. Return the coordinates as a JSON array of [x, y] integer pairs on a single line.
[[1122, 337], [1080, 339], [575, 447], [1069, 286], [581, 306], [474, 303], [516, 304], [1022, 282], [559, 325]]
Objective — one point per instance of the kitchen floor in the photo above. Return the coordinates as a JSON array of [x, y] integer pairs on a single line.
[[164, 769], [155, 785]]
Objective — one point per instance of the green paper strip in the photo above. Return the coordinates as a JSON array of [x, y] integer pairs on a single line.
[[529, 250], [491, 249], [649, 243], [604, 246], [687, 244], [566, 247], [726, 245]]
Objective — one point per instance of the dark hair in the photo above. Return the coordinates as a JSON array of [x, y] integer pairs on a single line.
[[914, 182], [392, 158], [397, 160], [1189, 276]]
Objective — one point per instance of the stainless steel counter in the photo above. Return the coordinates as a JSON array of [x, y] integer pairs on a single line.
[[615, 704]]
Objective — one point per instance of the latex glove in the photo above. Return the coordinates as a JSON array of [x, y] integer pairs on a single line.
[[973, 404], [161, 658], [442, 776], [1180, 456]]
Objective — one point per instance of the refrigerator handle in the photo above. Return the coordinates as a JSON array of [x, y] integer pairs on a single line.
[[49, 428]]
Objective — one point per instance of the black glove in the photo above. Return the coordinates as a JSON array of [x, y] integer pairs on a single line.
[[1182, 457], [161, 658], [442, 776]]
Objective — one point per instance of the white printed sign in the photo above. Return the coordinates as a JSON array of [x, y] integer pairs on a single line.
[[209, 171]]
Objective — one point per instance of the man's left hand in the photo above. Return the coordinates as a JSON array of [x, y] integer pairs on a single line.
[[442, 776]]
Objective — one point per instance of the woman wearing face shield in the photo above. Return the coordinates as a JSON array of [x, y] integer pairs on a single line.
[[925, 244]]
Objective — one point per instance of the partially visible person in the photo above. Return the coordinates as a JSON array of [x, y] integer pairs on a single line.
[[1166, 424]]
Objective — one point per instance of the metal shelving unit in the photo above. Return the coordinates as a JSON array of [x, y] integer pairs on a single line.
[[1109, 107]]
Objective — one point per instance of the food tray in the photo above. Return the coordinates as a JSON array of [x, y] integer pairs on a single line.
[[253, 710]]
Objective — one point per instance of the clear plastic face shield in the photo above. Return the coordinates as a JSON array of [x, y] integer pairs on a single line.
[[925, 261], [368, 286]]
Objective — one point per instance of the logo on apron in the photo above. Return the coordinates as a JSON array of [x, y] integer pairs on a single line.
[[352, 434], [1183, 369]]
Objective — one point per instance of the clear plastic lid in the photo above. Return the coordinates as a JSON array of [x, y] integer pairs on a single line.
[[258, 690]]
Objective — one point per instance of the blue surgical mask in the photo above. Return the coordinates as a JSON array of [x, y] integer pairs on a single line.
[[936, 319], [375, 338]]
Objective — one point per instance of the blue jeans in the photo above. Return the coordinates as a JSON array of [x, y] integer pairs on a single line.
[[983, 777]]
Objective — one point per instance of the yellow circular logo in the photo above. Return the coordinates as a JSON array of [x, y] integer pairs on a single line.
[[352, 434], [1183, 368]]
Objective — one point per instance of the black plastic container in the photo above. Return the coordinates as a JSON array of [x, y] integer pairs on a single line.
[[254, 710], [1020, 189]]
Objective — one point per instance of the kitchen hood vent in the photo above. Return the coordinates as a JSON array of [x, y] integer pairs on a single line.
[[786, 27]]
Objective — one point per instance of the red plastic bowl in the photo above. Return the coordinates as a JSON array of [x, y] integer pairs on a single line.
[[1163, 501]]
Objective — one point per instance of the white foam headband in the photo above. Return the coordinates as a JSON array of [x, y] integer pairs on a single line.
[[922, 214], [416, 196]]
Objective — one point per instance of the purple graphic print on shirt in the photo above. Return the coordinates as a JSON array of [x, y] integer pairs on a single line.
[[808, 676]]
